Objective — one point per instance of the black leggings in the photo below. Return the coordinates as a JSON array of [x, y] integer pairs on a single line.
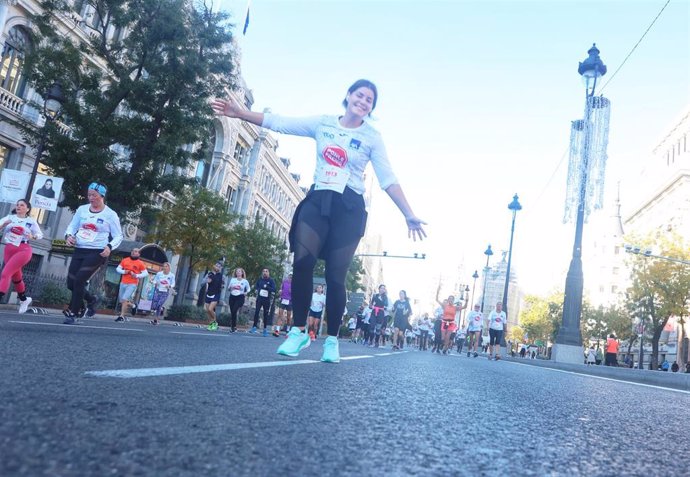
[[264, 303], [325, 226], [85, 262], [235, 303]]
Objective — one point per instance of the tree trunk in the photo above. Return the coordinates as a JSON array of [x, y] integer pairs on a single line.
[[654, 358]]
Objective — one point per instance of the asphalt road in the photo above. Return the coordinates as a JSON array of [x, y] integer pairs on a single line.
[[232, 407]]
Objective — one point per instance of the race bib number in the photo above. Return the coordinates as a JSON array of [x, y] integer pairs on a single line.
[[285, 301], [14, 239], [86, 235], [263, 293], [332, 178]]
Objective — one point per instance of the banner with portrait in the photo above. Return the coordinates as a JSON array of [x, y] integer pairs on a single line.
[[13, 184], [46, 193]]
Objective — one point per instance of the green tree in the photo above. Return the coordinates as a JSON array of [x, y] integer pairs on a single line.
[[535, 318], [254, 248], [660, 288], [353, 281], [132, 103], [198, 227]]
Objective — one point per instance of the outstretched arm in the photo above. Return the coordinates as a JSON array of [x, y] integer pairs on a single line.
[[414, 224], [229, 108]]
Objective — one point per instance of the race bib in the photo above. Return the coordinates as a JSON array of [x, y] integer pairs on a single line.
[[332, 178], [285, 301], [86, 235], [14, 239], [263, 293]]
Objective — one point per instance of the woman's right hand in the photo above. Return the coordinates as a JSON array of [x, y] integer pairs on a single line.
[[71, 241]]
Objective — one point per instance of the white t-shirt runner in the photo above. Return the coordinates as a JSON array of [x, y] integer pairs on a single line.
[[164, 282], [20, 229], [474, 321], [497, 320], [238, 286], [318, 300], [95, 230]]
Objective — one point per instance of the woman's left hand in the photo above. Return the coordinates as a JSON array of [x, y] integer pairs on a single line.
[[414, 228]]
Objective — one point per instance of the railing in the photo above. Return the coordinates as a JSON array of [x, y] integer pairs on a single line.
[[11, 102]]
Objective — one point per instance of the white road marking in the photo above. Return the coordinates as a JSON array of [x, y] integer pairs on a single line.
[[147, 372], [197, 333], [75, 326], [653, 386], [347, 358]]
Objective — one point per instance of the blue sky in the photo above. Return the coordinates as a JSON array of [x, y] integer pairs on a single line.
[[475, 104]]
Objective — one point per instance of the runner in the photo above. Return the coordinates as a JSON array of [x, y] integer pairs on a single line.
[[401, 317], [359, 328], [265, 288], [378, 321], [424, 328], [214, 285], [94, 232], [318, 302], [131, 269], [164, 284], [497, 321], [238, 288], [367, 326], [17, 229], [331, 220], [352, 327], [449, 326], [285, 306], [474, 329]]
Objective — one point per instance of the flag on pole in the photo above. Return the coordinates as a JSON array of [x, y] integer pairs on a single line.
[[246, 19]]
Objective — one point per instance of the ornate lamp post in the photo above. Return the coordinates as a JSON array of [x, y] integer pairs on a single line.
[[475, 275], [589, 138], [488, 252], [52, 105], [514, 206]]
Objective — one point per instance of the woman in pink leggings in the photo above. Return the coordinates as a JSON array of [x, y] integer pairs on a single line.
[[17, 229]]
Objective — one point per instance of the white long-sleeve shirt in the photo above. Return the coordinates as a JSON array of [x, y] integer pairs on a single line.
[[95, 230], [20, 229], [238, 286], [164, 281], [339, 148]]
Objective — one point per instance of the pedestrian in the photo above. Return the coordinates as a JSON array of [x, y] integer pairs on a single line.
[[424, 328], [331, 220], [284, 307], [475, 319], [591, 356], [600, 356], [401, 319], [163, 285], [18, 228], [95, 232], [214, 285], [438, 337], [687, 367], [132, 269], [460, 340], [238, 288], [497, 322], [675, 367], [352, 327], [611, 351], [318, 303], [367, 326], [359, 327], [379, 304], [265, 288]]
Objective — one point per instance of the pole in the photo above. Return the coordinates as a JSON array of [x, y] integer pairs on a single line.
[[37, 160], [486, 275], [505, 287], [640, 364], [474, 284]]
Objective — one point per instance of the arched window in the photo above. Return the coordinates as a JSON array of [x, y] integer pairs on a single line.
[[16, 46]]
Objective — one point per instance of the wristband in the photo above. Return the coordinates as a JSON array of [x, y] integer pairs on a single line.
[[109, 246]]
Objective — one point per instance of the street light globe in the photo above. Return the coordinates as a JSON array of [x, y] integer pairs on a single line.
[[592, 68], [53, 100]]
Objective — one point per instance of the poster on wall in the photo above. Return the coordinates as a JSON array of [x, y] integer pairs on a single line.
[[13, 184], [46, 192]]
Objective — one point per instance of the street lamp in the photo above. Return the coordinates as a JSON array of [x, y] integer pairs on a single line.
[[488, 252], [464, 314], [52, 110], [475, 275], [592, 153], [514, 206]]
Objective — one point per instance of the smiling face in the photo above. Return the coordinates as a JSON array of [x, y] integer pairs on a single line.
[[360, 102]]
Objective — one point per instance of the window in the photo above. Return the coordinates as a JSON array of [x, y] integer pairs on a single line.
[[240, 151], [616, 270], [13, 61], [614, 288], [4, 154], [200, 174], [616, 250]]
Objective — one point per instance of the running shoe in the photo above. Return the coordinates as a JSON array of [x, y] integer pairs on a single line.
[[233, 330], [120, 318], [497, 357], [70, 318], [253, 330], [213, 326], [475, 354], [265, 333], [276, 333], [24, 305], [296, 341], [90, 309], [331, 353], [311, 336], [468, 354], [154, 322]]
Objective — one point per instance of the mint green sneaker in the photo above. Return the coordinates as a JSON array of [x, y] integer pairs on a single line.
[[331, 353], [296, 341], [213, 326]]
